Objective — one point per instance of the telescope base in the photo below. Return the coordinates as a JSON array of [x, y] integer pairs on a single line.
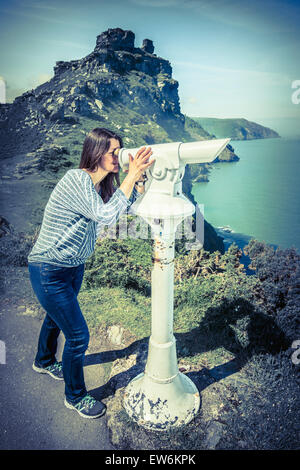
[[161, 406]]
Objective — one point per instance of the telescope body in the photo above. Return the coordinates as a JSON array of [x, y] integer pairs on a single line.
[[179, 153], [163, 197]]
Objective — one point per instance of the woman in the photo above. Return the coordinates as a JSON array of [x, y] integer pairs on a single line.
[[73, 218]]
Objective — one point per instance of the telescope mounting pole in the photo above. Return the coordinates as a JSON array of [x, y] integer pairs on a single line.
[[162, 397]]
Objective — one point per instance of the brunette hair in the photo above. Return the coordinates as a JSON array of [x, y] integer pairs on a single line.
[[95, 145]]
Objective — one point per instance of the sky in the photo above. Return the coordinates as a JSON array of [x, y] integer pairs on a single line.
[[232, 58]]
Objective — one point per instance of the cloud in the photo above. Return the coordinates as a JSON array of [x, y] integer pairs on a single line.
[[32, 16], [62, 43], [38, 5], [13, 92], [157, 3], [42, 78], [269, 16], [192, 99], [66, 19], [30, 83], [270, 78]]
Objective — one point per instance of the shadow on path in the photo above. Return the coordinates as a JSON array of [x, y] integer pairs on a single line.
[[236, 326]]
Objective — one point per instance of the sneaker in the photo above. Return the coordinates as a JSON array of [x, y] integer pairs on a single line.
[[55, 370], [88, 407]]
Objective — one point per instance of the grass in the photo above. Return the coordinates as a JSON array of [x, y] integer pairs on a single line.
[[107, 306]]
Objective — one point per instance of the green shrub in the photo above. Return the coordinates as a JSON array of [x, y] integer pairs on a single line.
[[279, 274], [120, 263]]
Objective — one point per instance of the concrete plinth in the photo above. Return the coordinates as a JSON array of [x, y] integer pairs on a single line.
[[161, 406]]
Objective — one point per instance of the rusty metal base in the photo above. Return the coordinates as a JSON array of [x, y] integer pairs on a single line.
[[161, 406]]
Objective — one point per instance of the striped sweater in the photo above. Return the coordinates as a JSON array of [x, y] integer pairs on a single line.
[[74, 216]]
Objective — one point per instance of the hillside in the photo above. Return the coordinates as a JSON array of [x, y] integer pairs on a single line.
[[236, 129], [124, 88]]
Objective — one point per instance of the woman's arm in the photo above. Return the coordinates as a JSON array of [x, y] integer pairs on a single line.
[[136, 193], [77, 193]]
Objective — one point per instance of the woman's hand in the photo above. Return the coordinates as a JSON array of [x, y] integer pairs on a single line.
[[139, 164]]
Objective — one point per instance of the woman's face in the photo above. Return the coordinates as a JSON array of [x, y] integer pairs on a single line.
[[109, 161]]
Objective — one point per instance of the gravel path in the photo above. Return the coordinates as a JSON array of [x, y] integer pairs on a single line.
[[32, 411]]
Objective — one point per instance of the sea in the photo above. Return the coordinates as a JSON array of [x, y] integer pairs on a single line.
[[256, 197]]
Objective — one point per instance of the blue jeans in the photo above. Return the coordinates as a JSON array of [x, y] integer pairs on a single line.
[[56, 288]]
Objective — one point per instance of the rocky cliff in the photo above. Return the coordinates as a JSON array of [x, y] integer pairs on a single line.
[[127, 89]]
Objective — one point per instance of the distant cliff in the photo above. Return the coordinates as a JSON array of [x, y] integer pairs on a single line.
[[236, 129]]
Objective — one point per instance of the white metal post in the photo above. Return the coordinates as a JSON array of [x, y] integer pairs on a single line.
[[162, 397], [162, 362]]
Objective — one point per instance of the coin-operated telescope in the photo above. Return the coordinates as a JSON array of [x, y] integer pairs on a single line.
[[163, 198], [162, 397]]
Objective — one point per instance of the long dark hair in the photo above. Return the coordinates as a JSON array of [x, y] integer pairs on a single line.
[[95, 145]]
